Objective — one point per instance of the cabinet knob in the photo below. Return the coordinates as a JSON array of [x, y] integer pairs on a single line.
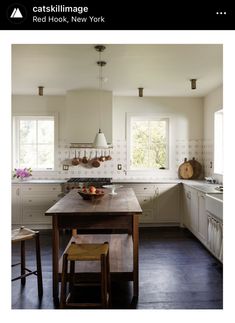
[[30, 200]]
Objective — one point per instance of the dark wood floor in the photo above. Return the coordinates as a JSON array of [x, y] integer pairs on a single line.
[[176, 272]]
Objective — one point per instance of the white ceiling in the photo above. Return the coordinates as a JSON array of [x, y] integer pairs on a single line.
[[162, 70]]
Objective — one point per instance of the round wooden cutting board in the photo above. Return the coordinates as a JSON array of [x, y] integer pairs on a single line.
[[190, 169], [185, 170]]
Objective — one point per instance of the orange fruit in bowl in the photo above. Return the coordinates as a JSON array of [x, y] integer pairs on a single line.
[[92, 189]]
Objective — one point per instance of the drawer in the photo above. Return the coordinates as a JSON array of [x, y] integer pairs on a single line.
[[41, 188], [145, 201], [143, 188], [39, 202], [147, 216], [36, 216]]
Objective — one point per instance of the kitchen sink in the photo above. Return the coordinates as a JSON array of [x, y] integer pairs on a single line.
[[214, 204], [207, 188]]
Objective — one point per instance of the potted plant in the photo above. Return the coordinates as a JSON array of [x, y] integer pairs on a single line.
[[22, 173]]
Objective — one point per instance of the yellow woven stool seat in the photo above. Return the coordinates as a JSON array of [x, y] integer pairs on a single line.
[[86, 252]]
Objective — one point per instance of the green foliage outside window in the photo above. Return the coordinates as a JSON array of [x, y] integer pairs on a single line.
[[149, 144]]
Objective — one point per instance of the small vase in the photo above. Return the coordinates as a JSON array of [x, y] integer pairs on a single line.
[[22, 179]]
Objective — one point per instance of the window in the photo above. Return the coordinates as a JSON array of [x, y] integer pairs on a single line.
[[34, 142], [218, 142], [148, 142]]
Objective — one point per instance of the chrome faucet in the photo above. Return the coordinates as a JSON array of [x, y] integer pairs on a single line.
[[210, 180]]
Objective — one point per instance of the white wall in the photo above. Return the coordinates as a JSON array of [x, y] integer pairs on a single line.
[[211, 103], [41, 104], [78, 112], [86, 111], [186, 112]]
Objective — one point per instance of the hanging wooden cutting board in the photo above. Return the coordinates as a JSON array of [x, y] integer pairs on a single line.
[[197, 168], [185, 170]]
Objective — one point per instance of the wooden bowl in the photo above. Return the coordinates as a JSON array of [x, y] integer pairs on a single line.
[[90, 196]]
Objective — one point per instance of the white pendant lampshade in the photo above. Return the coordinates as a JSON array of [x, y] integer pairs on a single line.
[[100, 140]]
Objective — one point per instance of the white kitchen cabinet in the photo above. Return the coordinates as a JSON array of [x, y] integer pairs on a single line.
[[195, 218], [16, 204], [194, 210], [202, 218], [146, 194], [159, 202], [34, 200], [190, 208], [186, 206], [167, 203]]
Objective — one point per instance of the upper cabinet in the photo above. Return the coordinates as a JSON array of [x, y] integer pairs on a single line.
[[86, 112]]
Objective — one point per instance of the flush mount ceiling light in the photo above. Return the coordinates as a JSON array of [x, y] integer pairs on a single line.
[[141, 89], [100, 140], [193, 84], [40, 90]]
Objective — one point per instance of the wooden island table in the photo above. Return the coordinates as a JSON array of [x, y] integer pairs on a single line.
[[112, 218]]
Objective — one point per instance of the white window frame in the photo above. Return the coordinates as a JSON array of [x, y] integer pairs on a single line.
[[147, 116], [15, 137], [218, 142]]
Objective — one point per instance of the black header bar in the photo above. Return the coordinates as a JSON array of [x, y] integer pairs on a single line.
[[116, 15]]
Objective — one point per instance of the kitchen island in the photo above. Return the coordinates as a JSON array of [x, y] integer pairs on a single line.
[[115, 215]]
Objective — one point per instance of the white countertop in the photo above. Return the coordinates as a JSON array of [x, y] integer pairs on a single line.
[[40, 181], [203, 186], [200, 185], [148, 180]]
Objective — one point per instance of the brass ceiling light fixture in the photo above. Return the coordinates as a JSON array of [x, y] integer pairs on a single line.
[[193, 84], [100, 140], [141, 89], [40, 90]]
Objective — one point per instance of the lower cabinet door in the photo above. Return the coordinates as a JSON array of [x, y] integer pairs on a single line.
[[16, 205], [167, 204], [202, 218], [36, 217], [186, 206]]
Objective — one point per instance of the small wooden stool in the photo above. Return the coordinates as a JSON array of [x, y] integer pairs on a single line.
[[86, 252], [20, 235]]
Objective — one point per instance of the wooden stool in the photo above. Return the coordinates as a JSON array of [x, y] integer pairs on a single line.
[[86, 252], [21, 235]]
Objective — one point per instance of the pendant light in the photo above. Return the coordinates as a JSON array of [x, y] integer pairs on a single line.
[[193, 84], [100, 140], [141, 89], [40, 90]]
